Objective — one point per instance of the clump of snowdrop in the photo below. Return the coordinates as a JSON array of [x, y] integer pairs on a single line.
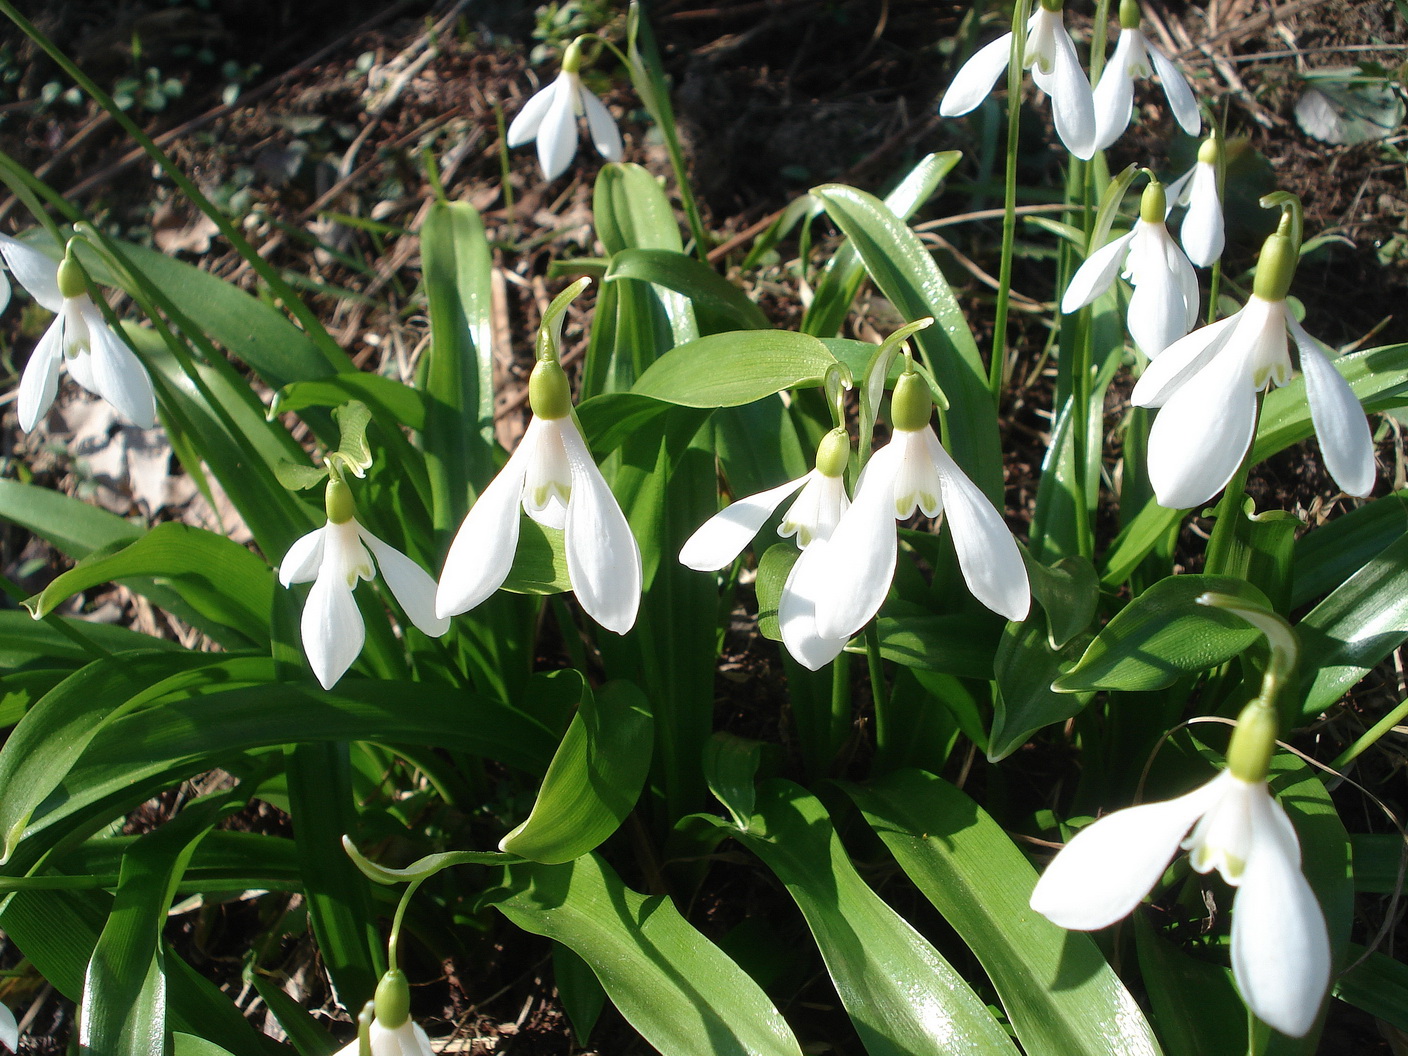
[[550, 117], [1135, 58], [1164, 305], [554, 479], [1051, 56], [1206, 387], [1202, 232], [839, 584], [1280, 946], [335, 557], [78, 340]]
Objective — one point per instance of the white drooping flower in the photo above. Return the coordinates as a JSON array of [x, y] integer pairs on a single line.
[[1202, 232], [80, 339], [1051, 56], [335, 557], [550, 117], [838, 584], [1280, 949], [1205, 387], [1135, 58], [553, 478], [1164, 305], [812, 517]]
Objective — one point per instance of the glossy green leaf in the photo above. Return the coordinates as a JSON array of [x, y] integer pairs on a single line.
[[902, 996], [594, 779], [387, 397], [1069, 592], [540, 562], [674, 986], [220, 579], [1361, 622], [459, 379], [774, 567], [1061, 996], [1377, 984], [957, 645], [728, 370], [711, 293], [1137, 539], [1334, 551], [905, 272], [1028, 671], [731, 769], [24, 640], [73, 527], [1163, 635], [1196, 1006]]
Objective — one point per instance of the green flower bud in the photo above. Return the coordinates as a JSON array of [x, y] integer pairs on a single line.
[[1207, 151], [71, 282], [338, 500], [1253, 742], [833, 453], [911, 405], [393, 999], [1053, 5], [1129, 14], [548, 392], [1276, 267], [1153, 206]]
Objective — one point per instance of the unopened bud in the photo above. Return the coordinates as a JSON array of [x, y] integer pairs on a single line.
[[1129, 14], [1276, 267], [1253, 742], [1153, 206], [71, 282]]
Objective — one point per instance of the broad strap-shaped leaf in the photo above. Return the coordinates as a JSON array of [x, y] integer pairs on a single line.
[[674, 986], [73, 527], [1028, 672], [902, 996], [1062, 997], [712, 295], [729, 370], [594, 779]]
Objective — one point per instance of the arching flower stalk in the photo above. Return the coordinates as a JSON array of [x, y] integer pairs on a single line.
[[550, 117], [1135, 58], [1051, 56], [1164, 305]]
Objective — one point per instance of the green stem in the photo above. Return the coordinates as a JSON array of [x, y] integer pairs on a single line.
[[1383, 726], [841, 708], [393, 944], [997, 362], [878, 694], [1080, 387]]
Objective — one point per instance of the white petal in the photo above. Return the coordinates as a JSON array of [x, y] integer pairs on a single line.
[[992, 565], [1104, 872], [1180, 362], [1187, 276], [1180, 96], [1339, 419], [850, 587], [482, 552], [1202, 231], [1280, 947], [796, 610], [817, 511], [406, 1040], [9, 1029], [1113, 97], [603, 559], [40, 380], [118, 375], [1097, 273], [1176, 193], [35, 271], [332, 625], [1158, 309], [301, 562], [412, 585], [1201, 434], [557, 136], [975, 79], [722, 537], [606, 137], [1072, 104], [530, 118], [4, 292]]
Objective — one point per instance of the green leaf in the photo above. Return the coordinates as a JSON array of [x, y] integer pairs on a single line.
[[540, 562], [1377, 984], [1028, 672], [298, 477], [902, 996], [674, 986], [218, 578], [352, 418], [25, 641], [1361, 622], [958, 645], [773, 569], [905, 272], [1326, 557], [1060, 995], [1163, 635], [729, 370], [1195, 1003], [731, 768], [387, 397], [1150, 526], [72, 527], [459, 420], [1069, 592], [594, 779], [711, 293]]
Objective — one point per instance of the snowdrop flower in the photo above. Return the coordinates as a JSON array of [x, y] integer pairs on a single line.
[[335, 557], [1051, 56], [9, 1027], [1164, 305], [551, 115], [838, 584], [1202, 232], [813, 516], [1206, 387], [1114, 93], [553, 477], [80, 339], [390, 1029]]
